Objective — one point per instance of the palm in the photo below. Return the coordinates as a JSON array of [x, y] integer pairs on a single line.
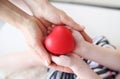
[[79, 41], [35, 34]]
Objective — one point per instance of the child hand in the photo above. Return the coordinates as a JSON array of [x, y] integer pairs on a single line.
[[78, 66], [66, 60], [80, 43]]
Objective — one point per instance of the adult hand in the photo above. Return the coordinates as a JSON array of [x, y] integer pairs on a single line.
[[48, 15], [57, 16], [34, 34], [33, 30]]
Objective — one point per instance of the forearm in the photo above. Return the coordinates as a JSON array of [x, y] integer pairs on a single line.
[[36, 5], [83, 71], [21, 4], [18, 61], [105, 56], [12, 14]]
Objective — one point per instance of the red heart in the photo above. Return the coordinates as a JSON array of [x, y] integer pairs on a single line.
[[60, 41]]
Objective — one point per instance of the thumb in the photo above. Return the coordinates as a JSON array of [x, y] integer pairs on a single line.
[[42, 53], [62, 60], [55, 59]]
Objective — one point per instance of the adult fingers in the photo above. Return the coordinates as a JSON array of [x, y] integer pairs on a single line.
[[42, 53], [70, 22], [86, 37]]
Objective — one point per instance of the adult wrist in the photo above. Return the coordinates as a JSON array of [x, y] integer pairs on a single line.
[[37, 6]]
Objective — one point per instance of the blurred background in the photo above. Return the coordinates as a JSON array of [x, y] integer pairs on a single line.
[[101, 3]]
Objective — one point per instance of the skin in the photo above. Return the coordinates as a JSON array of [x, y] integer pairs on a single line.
[[96, 53], [34, 28], [78, 66], [91, 52]]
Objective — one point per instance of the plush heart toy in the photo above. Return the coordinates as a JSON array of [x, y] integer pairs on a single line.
[[60, 41]]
